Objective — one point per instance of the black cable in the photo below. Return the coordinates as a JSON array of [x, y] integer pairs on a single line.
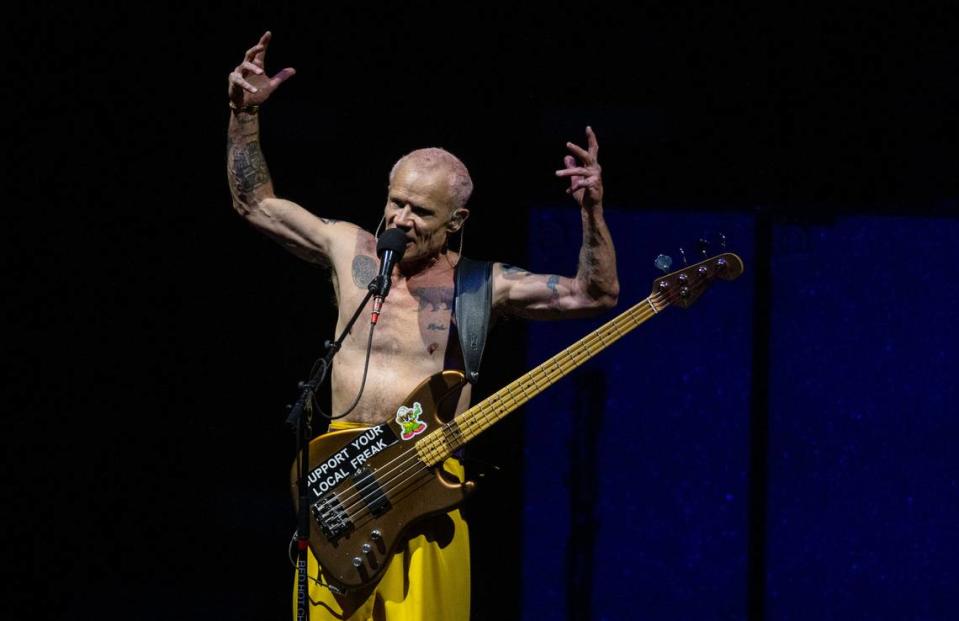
[[366, 368]]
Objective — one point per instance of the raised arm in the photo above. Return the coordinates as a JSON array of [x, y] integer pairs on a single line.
[[595, 286], [294, 227]]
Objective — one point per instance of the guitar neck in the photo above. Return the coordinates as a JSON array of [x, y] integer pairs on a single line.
[[441, 443]]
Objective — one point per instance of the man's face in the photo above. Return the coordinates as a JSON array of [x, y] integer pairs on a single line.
[[419, 204]]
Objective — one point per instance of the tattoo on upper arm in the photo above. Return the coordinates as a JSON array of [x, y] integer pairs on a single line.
[[364, 270], [551, 282], [248, 170]]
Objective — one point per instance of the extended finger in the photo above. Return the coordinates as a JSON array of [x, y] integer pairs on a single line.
[[576, 170], [591, 141], [580, 152], [236, 78], [282, 76], [260, 57], [250, 67], [252, 52], [570, 162]]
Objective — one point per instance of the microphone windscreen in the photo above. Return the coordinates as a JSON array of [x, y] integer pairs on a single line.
[[392, 239]]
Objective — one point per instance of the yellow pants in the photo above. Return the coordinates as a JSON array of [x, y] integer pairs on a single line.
[[428, 578]]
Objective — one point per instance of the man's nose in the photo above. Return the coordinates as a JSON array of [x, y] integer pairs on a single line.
[[404, 217]]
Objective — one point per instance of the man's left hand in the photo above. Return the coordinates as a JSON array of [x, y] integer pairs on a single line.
[[585, 179]]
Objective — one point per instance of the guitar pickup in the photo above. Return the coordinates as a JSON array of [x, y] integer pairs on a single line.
[[370, 492]]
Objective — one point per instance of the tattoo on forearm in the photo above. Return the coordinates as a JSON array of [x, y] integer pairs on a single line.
[[364, 270], [248, 169], [246, 119], [588, 262], [328, 221]]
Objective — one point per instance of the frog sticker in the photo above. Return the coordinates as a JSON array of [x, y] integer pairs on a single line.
[[409, 420]]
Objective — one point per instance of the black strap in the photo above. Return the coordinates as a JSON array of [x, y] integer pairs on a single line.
[[472, 308]]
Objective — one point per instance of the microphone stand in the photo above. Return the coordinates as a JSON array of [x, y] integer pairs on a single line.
[[301, 422]]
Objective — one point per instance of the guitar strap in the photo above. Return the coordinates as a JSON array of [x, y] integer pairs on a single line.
[[472, 308]]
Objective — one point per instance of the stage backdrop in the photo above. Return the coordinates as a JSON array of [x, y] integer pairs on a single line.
[[693, 472]]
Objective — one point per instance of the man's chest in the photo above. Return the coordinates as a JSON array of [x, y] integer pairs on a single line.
[[416, 318]]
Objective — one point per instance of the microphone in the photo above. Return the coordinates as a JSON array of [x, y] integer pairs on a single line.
[[390, 249]]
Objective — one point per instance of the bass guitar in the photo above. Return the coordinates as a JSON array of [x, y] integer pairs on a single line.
[[367, 487]]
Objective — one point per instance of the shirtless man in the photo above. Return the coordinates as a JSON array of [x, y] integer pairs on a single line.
[[428, 191]]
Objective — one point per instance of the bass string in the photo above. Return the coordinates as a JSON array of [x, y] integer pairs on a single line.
[[484, 415], [390, 484], [560, 365], [635, 316]]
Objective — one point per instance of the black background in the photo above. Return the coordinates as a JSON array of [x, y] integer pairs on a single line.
[[156, 337]]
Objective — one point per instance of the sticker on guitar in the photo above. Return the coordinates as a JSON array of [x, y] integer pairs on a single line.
[[409, 420]]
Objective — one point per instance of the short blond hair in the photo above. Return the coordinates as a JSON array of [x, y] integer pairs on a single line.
[[430, 158]]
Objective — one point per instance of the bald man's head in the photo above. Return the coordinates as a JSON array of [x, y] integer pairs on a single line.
[[434, 159]]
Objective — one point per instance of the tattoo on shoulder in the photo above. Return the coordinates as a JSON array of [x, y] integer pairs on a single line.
[[364, 270], [511, 272]]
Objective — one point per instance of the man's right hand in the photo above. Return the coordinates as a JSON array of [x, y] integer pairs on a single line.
[[248, 84]]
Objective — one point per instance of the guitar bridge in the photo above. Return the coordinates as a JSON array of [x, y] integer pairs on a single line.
[[331, 517]]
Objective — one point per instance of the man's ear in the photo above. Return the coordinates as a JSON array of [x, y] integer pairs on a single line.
[[458, 219]]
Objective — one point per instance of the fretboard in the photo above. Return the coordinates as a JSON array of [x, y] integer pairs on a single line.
[[440, 444]]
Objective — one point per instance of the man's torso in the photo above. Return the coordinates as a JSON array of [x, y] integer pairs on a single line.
[[414, 337]]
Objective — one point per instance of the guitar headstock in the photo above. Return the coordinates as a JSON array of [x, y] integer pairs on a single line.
[[683, 287]]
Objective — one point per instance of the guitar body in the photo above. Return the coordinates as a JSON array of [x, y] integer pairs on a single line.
[[368, 486]]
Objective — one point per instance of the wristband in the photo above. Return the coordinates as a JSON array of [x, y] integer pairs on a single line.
[[247, 109]]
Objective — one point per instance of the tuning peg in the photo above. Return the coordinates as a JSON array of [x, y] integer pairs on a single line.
[[682, 253], [703, 246], [663, 262]]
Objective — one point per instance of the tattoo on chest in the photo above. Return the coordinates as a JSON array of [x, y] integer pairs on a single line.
[[437, 327], [433, 298], [364, 270]]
